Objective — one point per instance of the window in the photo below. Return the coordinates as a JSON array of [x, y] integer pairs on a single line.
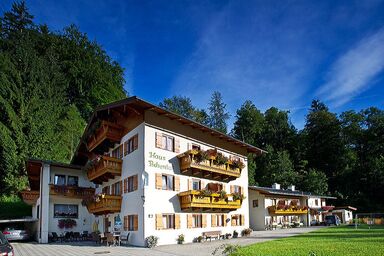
[[196, 220], [66, 210], [73, 181], [316, 202], [59, 180], [118, 152], [167, 182], [220, 220], [164, 141], [255, 203], [116, 188], [237, 189], [237, 220], [196, 185], [105, 190], [168, 221], [130, 184], [130, 222]]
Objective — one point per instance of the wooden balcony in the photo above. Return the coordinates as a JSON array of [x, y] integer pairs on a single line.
[[105, 204], [103, 169], [30, 196], [207, 168], [71, 191], [194, 201], [105, 136], [274, 210]]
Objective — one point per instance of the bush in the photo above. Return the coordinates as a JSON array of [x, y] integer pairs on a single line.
[[228, 235], [226, 249], [199, 239], [246, 232], [180, 239], [12, 207], [151, 241], [235, 234]]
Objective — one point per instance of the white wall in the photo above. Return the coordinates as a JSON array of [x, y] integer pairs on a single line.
[[257, 215], [83, 179], [163, 201]]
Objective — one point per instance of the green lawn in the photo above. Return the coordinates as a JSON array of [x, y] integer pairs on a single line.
[[342, 240]]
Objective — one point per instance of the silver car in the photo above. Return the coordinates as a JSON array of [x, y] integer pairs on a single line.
[[15, 234]]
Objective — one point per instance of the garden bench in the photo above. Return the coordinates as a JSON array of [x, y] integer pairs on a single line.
[[212, 234]]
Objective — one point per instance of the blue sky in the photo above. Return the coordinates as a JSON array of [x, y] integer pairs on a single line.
[[275, 53]]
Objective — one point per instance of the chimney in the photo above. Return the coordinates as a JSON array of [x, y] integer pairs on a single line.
[[291, 187], [276, 185]]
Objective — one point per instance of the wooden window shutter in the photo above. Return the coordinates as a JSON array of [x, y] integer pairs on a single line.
[[121, 151], [125, 185], [190, 187], [204, 220], [159, 181], [225, 220], [189, 221], [135, 182], [135, 142], [159, 221], [113, 190], [213, 220], [121, 187], [135, 222], [125, 223], [159, 140], [177, 221], [177, 145], [242, 219], [126, 148], [177, 183]]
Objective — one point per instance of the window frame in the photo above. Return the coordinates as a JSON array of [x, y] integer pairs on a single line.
[[198, 182], [169, 182], [197, 220], [220, 220], [76, 178], [169, 222], [255, 203], [62, 176]]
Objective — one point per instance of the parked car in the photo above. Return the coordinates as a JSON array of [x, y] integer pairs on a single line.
[[5, 247], [15, 233], [332, 220]]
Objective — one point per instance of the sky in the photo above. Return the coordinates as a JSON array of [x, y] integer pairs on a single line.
[[278, 54]]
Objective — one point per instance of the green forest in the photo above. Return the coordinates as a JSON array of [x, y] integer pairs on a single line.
[[50, 82]]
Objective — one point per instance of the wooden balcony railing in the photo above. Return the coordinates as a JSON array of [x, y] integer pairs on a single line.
[[274, 210], [71, 191], [194, 200], [30, 196], [189, 165], [107, 132], [105, 204], [104, 168]]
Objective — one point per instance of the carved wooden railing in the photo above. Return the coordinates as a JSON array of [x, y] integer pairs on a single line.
[[104, 204], [104, 168], [287, 210], [71, 191], [106, 131], [30, 196]]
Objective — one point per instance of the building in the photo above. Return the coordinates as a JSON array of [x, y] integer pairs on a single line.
[[274, 207], [146, 171], [345, 213]]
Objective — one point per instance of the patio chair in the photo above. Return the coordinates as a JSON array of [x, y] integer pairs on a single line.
[[110, 239], [96, 237], [84, 236], [55, 237], [124, 238], [76, 236], [67, 237]]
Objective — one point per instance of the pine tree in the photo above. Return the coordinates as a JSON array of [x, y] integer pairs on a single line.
[[218, 115]]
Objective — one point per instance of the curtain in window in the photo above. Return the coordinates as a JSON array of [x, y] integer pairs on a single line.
[[59, 180]]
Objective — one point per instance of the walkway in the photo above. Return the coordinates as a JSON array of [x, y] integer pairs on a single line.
[[194, 249]]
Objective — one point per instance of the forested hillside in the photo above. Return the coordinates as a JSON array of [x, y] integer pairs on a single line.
[[49, 84]]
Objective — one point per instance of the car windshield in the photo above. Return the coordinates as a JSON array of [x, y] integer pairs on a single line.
[[3, 240], [328, 217]]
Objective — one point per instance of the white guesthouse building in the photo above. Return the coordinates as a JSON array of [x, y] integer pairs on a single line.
[[144, 170]]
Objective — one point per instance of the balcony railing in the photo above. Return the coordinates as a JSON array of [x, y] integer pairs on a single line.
[[103, 169], [30, 196], [194, 200], [286, 210], [106, 132], [206, 168], [71, 191], [104, 204]]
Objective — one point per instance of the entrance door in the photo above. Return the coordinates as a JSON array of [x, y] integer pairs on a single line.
[[106, 225]]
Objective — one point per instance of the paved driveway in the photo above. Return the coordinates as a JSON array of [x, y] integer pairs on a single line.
[[194, 249]]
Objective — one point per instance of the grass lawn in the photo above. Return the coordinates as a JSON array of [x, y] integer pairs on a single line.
[[342, 240]]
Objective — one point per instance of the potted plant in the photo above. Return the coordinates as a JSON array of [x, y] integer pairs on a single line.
[[238, 164], [223, 194], [228, 235], [205, 193], [220, 159], [180, 239], [235, 234], [237, 196], [201, 156], [199, 239], [246, 232], [151, 241], [212, 154]]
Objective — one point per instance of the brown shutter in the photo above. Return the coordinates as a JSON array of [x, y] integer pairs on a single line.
[[112, 190], [177, 183], [121, 151], [159, 140], [225, 220], [159, 181], [190, 184], [135, 142], [177, 145], [159, 221], [126, 148], [213, 220], [135, 182], [121, 187], [242, 220], [241, 189], [204, 221], [125, 223], [177, 221], [125, 185], [135, 222], [189, 221]]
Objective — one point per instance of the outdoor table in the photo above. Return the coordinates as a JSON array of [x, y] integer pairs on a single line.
[[117, 238]]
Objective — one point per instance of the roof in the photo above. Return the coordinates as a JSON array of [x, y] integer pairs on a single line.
[[346, 208], [287, 192], [138, 105], [30, 219]]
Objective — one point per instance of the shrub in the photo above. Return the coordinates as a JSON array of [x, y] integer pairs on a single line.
[[228, 235], [201, 156], [237, 196], [223, 194], [220, 159], [226, 249], [235, 234], [199, 239], [180, 239], [151, 241], [246, 232]]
